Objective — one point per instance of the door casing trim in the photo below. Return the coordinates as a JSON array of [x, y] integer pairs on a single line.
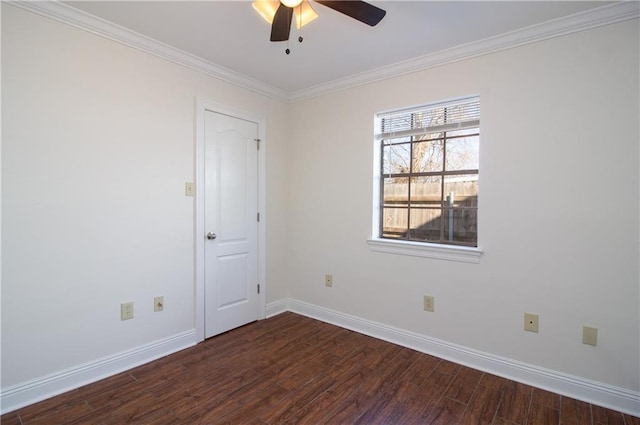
[[201, 106]]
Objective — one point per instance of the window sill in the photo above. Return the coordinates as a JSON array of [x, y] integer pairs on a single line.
[[419, 249]]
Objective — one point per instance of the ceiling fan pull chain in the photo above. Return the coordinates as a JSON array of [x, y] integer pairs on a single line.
[[300, 28]]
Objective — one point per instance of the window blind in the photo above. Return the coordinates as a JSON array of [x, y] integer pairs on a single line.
[[447, 116]]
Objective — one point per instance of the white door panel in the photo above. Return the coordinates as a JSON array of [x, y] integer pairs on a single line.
[[231, 205], [232, 273]]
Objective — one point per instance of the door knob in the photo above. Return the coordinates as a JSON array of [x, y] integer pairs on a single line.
[[211, 236]]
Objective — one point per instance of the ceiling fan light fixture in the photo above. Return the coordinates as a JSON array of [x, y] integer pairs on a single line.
[[304, 14], [302, 10], [291, 3], [266, 8]]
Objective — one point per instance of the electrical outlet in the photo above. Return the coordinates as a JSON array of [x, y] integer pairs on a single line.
[[158, 303], [428, 302], [328, 280], [126, 311], [531, 322], [589, 335]]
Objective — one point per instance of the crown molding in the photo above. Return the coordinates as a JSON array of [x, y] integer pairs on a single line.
[[605, 15], [609, 14], [69, 15]]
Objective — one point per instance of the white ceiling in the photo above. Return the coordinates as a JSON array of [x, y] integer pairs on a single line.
[[230, 34]]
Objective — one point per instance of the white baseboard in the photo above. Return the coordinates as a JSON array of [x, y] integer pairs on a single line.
[[598, 393], [583, 389], [24, 394], [277, 307]]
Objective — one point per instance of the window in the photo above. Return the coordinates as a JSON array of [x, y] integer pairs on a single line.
[[428, 174]]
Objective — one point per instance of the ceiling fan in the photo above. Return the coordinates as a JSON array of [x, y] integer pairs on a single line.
[[280, 14]]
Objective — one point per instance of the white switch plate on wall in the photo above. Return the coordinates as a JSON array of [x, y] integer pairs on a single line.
[[189, 189]]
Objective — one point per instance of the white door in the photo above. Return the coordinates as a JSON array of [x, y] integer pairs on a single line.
[[230, 222]]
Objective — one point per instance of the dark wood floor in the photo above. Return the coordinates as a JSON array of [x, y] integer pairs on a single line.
[[290, 369]]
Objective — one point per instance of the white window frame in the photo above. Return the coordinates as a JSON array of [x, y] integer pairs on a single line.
[[412, 248]]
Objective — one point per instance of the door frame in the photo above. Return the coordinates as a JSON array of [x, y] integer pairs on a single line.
[[202, 105]]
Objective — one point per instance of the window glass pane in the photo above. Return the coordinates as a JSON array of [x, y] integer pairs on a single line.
[[429, 174], [463, 189], [460, 226], [426, 191], [395, 192], [394, 222], [462, 153], [395, 159], [425, 224], [428, 156]]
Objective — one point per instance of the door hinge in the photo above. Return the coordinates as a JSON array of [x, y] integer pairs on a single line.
[[258, 288], [258, 217], [257, 144]]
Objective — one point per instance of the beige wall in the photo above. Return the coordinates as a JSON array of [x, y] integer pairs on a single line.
[[558, 207], [98, 141]]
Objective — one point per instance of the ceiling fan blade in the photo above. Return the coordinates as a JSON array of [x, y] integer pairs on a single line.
[[360, 10], [281, 23]]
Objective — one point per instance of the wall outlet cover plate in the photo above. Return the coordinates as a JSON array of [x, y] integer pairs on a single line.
[[126, 311], [531, 322], [158, 303], [428, 302], [328, 280], [589, 335]]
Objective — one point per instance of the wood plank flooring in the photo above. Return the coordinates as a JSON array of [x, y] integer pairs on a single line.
[[291, 369]]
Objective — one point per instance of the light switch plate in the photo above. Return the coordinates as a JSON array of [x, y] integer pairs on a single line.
[[189, 189]]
